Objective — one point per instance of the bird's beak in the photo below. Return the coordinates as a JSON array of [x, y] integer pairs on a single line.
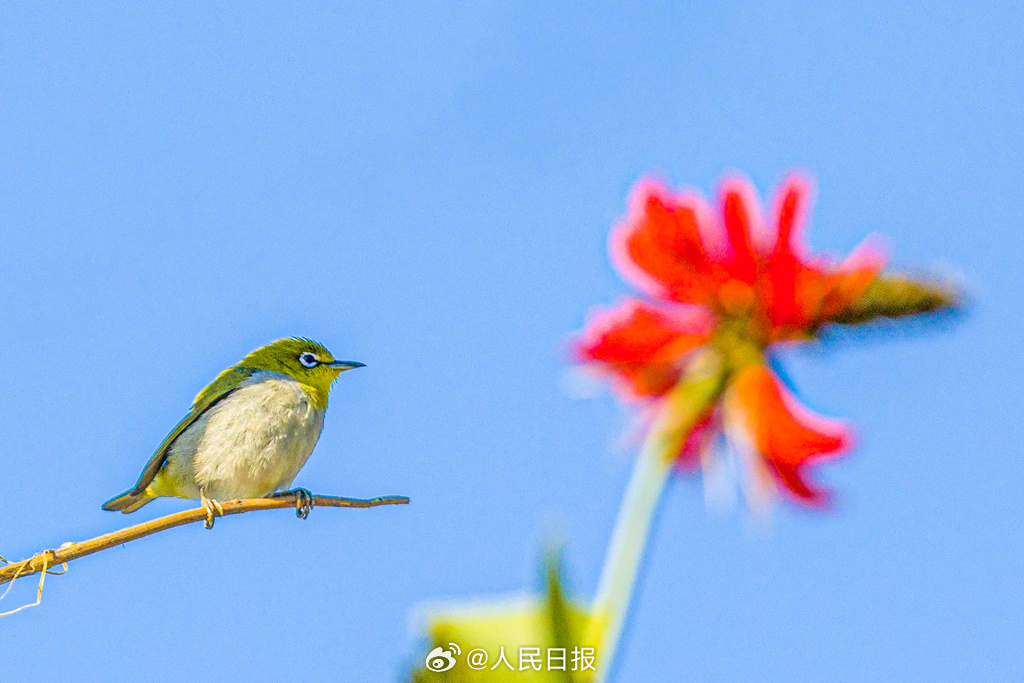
[[343, 365]]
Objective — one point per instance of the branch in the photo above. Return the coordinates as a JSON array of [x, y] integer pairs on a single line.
[[72, 551]]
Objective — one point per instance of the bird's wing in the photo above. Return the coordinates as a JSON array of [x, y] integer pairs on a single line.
[[219, 389]]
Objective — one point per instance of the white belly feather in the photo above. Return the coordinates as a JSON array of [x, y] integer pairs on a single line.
[[248, 445]]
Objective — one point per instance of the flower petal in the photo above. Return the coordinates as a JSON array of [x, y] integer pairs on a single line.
[[797, 293], [785, 287], [641, 345], [659, 248], [792, 206], [738, 202], [787, 436], [699, 442]]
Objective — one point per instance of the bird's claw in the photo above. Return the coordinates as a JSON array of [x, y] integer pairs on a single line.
[[213, 510], [303, 503]]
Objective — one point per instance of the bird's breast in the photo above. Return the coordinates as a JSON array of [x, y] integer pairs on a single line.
[[252, 442]]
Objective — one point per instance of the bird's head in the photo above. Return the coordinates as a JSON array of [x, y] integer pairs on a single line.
[[304, 360]]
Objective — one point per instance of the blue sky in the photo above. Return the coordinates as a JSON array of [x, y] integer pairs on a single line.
[[428, 189]]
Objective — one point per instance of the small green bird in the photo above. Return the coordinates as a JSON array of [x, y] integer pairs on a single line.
[[248, 433]]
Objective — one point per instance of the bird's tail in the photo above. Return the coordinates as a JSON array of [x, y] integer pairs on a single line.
[[129, 501]]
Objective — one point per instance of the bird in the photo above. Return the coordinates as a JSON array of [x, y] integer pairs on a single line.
[[248, 433]]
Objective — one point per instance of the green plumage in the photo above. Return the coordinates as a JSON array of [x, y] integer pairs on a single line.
[[226, 382]]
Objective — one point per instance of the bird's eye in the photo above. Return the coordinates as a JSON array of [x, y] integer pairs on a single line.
[[308, 359]]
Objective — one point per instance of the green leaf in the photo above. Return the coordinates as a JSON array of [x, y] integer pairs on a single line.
[[892, 296], [548, 626]]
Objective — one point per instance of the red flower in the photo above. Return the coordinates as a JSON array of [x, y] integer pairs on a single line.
[[720, 283]]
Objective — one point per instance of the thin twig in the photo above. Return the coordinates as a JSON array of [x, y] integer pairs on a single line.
[[73, 551]]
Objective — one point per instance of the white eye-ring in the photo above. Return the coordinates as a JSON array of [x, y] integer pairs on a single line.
[[308, 359]]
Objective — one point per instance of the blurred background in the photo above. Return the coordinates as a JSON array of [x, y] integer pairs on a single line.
[[428, 188]]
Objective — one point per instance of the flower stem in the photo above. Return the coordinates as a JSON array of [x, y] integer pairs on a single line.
[[626, 551], [683, 408]]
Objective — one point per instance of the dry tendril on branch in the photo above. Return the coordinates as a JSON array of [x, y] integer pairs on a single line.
[[42, 561]]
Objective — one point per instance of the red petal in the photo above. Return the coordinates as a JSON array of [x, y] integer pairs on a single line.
[[795, 191], [791, 478], [798, 293], [789, 282], [697, 442], [659, 248], [736, 213], [786, 435], [641, 345]]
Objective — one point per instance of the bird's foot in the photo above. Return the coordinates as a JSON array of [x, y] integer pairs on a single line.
[[303, 501], [213, 509]]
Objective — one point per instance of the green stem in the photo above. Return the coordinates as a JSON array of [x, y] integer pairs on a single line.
[[626, 551], [683, 408]]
